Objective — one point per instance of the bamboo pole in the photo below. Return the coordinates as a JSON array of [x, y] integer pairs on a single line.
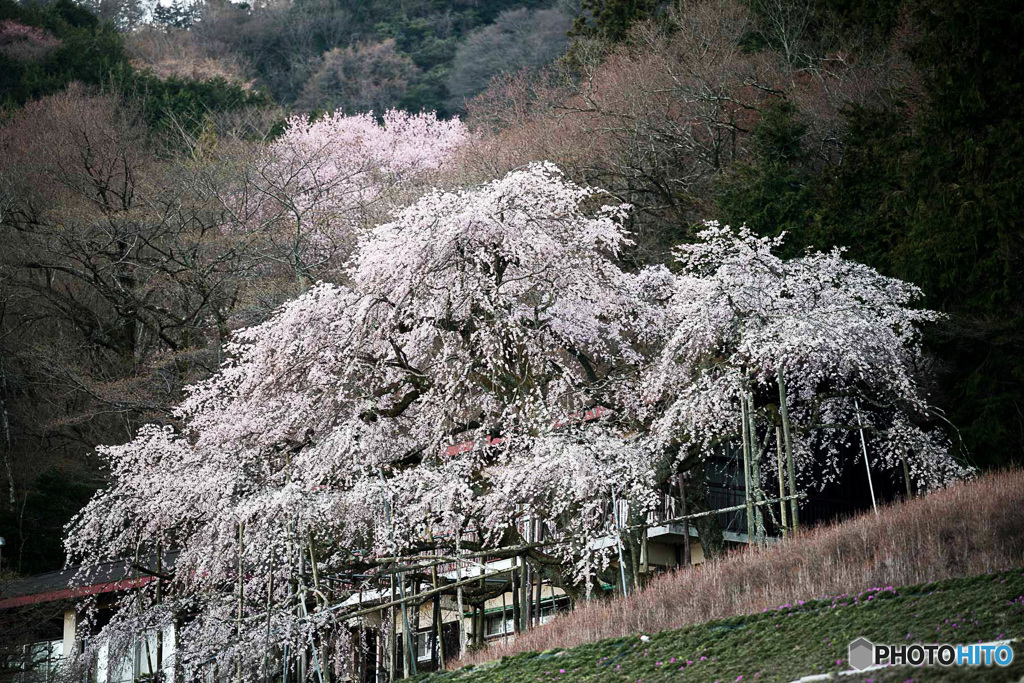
[[794, 510]]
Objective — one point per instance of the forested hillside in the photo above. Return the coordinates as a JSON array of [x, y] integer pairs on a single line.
[[155, 196], [357, 56]]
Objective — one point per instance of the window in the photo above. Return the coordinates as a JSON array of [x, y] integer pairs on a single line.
[[499, 624], [38, 660], [423, 653]]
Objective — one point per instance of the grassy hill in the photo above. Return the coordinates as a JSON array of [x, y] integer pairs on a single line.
[[793, 640], [949, 553]]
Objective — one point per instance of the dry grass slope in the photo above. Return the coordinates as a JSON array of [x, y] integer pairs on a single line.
[[968, 529]]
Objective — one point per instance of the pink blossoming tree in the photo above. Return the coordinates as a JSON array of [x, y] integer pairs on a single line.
[[818, 347], [495, 317], [312, 191]]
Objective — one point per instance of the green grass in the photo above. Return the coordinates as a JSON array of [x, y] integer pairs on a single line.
[[792, 640]]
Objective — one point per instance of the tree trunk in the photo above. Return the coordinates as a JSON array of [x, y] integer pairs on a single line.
[[709, 529]]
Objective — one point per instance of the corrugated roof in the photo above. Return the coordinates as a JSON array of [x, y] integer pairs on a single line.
[[66, 584]]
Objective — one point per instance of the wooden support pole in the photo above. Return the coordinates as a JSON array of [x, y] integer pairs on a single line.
[[483, 626], [782, 480], [414, 585], [241, 594], [517, 617], [645, 560], [687, 557], [501, 572], [618, 544], [794, 511], [540, 572], [731, 508], [270, 602], [393, 637], [478, 628], [528, 600], [423, 594], [438, 622], [524, 595], [634, 556], [537, 606], [462, 614], [755, 470], [401, 585], [159, 599], [906, 477], [406, 671], [864, 449], [504, 618], [745, 437]]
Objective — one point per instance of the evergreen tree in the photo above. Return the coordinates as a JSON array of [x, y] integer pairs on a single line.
[[610, 19]]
